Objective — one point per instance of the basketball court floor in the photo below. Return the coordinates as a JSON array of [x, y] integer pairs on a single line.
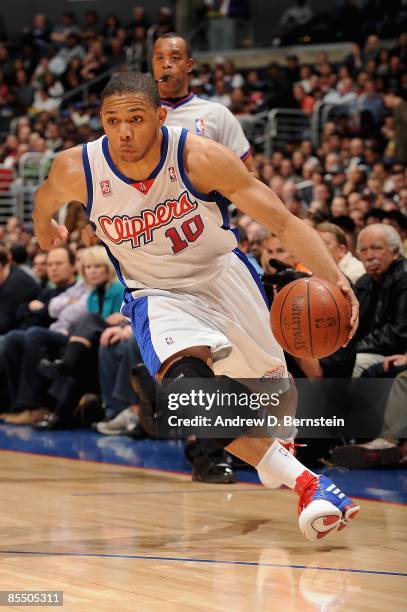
[[118, 525]]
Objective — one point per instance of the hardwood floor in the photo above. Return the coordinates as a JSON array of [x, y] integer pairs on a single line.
[[125, 538]]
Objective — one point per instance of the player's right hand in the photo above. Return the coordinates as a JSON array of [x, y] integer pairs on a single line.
[[51, 235], [354, 320]]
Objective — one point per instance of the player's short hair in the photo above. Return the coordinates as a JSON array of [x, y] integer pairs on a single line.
[[175, 35], [132, 83], [333, 229]]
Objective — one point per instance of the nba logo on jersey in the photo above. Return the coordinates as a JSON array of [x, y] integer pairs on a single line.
[[105, 188], [199, 127], [172, 174]]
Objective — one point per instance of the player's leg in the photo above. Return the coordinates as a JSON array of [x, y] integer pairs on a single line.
[[164, 324], [211, 463], [322, 506]]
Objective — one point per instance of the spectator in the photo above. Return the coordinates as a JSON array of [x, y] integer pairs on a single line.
[[272, 249], [43, 102], [304, 101], [139, 19], [221, 94], [60, 34], [335, 240], [16, 288], [39, 33], [343, 95], [40, 269], [23, 92], [118, 353], [24, 350], [19, 257], [372, 103], [76, 373], [382, 293], [354, 60], [164, 23], [244, 246], [90, 27], [61, 274], [399, 109]]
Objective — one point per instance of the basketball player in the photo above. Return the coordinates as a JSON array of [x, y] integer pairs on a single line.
[[171, 59], [195, 304]]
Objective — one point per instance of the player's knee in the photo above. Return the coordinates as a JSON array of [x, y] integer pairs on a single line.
[[188, 367]]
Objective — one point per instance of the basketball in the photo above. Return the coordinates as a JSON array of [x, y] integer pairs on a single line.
[[310, 318]]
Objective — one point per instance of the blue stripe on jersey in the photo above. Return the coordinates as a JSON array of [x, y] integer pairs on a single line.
[[214, 196], [180, 157], [155, 172], [223, 204], [137, 310], [253, 272], [246, 155], [88, 177], [116, 265]]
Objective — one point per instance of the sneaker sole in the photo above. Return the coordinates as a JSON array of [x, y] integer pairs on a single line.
[[321, 518], [359, 458], [350, 513]]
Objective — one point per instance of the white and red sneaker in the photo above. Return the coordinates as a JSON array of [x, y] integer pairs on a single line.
[[322, 507]]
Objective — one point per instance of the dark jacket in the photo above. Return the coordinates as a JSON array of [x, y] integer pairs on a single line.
[[383, 311], [27, 318], [18, 288]]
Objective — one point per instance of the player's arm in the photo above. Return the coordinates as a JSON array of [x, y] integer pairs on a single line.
[[251, 166], [66, 182], [213, 167]]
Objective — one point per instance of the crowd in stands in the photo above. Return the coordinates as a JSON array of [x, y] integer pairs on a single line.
[[59, 312]]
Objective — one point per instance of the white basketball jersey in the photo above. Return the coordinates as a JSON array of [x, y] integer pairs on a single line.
[[160, 232], [210, 119]]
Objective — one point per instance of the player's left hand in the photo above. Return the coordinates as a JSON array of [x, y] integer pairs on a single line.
[[354, 320], [51, 234]]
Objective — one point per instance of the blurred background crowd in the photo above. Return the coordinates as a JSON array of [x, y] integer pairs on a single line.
[[342, 169]]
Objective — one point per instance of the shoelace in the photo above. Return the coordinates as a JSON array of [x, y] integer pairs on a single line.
[[292, 446], [306, 485]]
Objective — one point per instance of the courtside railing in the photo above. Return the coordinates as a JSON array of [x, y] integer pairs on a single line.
[[285, 126], [255, 128]]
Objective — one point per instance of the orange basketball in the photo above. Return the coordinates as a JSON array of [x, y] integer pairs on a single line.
[[310, 317]]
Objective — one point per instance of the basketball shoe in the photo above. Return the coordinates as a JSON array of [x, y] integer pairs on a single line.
[[322, 507]]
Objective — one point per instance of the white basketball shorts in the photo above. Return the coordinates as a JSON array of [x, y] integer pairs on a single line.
[[229, 314]]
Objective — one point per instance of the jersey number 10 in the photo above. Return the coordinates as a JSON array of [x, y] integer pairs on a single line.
[[192, 229]]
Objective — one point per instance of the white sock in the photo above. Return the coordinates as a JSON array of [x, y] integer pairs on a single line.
[[279, 467]]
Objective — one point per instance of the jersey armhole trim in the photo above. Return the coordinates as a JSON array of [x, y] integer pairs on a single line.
[[88, 177], [213, 196], [246, 155], [185, 178]]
